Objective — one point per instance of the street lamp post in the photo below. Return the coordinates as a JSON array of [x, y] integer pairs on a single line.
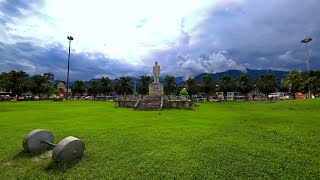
[[70, 38], [306, 41]]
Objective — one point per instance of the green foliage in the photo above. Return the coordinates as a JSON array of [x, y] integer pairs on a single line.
[[183, 92], [143, 84], [207, 85], [311, 80], [293, 81], [170, 85], [267, 83], [93, 88], [39, 84], [226, 84], [245, 84], [79, 87], [105, 85], [4, 81], [17, 81], [123, 85], [232, 140], [191, 85]]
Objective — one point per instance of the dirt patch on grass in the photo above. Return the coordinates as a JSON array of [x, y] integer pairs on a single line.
[[8, 163], [43, 156]]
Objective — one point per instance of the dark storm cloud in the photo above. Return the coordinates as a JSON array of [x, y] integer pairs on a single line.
[[37, 60], [17, 8], [255, 34]]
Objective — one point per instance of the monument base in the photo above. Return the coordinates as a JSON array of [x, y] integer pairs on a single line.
[[155, 89]]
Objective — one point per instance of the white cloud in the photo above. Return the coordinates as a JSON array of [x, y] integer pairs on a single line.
[[288, 58], [262, 59], [110, 27], [216, 62]]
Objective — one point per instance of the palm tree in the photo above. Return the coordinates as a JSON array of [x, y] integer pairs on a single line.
[[170, 85], [39, 84], [207, 85], [192, 86], [267, 83], [245, 84], [123, 85], [105, 85], [94, 88], [78, 88], [226, 84], [311, 80], [18, 82], [143, 84], [294, 81]]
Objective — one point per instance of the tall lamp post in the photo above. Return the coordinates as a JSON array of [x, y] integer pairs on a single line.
[[70, 38], [306, 41]]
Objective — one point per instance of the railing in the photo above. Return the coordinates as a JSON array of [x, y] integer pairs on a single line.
[[136, 105], [161, 105]]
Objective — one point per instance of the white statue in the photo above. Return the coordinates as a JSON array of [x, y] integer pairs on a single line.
[[156, 73]]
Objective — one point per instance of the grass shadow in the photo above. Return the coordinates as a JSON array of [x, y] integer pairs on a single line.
[[55, 166], [22, 155]]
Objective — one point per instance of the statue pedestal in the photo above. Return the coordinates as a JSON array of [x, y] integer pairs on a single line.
[[155, 89]]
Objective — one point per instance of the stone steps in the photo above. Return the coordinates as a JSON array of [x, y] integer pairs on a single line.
[[150, 108], [149, 105]]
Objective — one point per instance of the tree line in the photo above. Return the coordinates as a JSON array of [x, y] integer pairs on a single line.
[[19, 82]]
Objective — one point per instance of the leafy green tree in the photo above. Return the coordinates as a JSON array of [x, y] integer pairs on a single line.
[[170, 85], [143, 84], [105, 85], [52, 90], [123, 85], [226, 84], [315, 81], [94, 88], [267, 83], [18, 82], [245, 84], [293, 81], [78, 88], [192, 86], [207, 85], [39, 84], [4, 81]]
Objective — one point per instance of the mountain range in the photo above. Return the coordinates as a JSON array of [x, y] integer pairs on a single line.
[[235, 74], [216, 76]]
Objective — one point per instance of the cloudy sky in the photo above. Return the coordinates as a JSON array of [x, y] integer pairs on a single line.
[[187, 37]]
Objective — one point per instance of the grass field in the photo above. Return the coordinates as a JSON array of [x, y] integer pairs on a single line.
[[213, 141]]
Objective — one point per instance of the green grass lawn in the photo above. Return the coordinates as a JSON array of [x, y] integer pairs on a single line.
[[215, 140]]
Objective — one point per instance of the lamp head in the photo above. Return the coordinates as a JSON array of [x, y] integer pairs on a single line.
[[70, 38], [306, 40]]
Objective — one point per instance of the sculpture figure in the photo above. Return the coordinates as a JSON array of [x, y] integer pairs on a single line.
[[156, 73]]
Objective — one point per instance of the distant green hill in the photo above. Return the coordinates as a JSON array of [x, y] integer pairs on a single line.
[[237, 73]]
